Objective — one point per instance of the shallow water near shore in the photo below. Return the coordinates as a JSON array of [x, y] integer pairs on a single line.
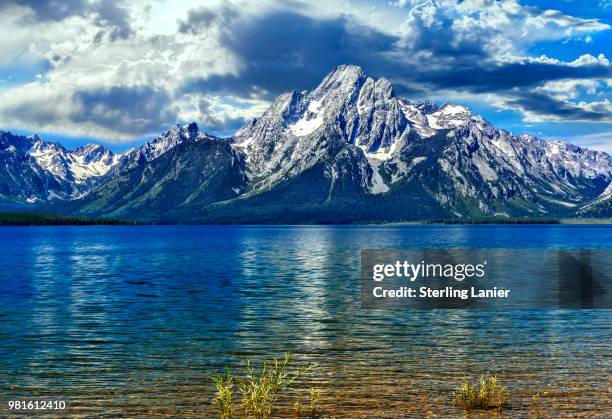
[[126, 320]]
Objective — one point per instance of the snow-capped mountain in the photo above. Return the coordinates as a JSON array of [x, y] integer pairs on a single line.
[[35, 170], [447, 155], [91, 161], [79, 165], [349, 150]]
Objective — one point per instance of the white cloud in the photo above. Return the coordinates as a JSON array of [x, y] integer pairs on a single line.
[[588, 59], [602, 107], [94, 61], [25, 42], [570, 88], [505, 27]]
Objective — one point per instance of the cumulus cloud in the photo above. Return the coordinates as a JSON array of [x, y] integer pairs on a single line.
[[108, 71], [570, 88], [498, 26], [285, 50], [115, 113], [220, 114]]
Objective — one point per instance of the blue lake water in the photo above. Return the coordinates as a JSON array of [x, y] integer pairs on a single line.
[[127, 320]]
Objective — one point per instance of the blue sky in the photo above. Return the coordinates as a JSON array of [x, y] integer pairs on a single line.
[[119, 72]]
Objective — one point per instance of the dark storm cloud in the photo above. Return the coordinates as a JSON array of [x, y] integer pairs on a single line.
[[203, 17], [217, 122], [487, 77], [438, 38], [542, 104], [285, 50], [54, 9], [107, 14], [133, 110]]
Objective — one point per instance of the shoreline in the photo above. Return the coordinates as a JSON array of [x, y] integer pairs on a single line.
[[25, 219]]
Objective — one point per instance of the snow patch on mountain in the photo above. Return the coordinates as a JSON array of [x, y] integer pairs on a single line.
[[559, 202], [383, 153], [449, 116], [82, 170], [451, 109], [310, 122], [378, 184], [80, 165]]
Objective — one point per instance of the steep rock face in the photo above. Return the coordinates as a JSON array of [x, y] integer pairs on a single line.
[[601, 207], [77, 166], [295, 131]]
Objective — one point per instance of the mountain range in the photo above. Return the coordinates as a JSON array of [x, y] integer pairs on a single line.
[[347, 151]]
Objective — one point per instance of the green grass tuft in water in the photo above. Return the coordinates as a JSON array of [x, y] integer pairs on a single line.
[[259, 387], [315, 399], [225, 391], [486, 394]]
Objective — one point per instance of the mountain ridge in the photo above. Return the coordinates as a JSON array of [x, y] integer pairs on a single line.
[[349, 150]]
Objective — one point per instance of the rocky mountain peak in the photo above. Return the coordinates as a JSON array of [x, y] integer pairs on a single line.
[[192, 130], [344, 78], [90, 150]]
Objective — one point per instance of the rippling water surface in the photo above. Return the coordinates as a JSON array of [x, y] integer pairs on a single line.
[[129, 320]]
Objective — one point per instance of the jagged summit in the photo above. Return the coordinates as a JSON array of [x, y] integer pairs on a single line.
[[192, 129], [156, 147], [344, 78]]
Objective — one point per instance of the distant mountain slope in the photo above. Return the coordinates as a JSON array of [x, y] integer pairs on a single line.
[[197, 171], [347, 151], [33, 170], [601, 207]]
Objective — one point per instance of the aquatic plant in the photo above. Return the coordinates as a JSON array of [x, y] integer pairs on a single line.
[[223, 398], [315, 399], [259, 388], [485, 394]]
